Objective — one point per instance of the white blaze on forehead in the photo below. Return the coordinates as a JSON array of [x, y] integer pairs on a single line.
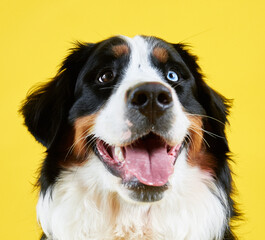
[[140, 68]]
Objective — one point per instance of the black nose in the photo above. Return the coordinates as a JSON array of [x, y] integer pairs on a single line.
[[151, 99]]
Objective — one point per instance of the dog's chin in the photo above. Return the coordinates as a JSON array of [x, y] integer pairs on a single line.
[[135, 191], [138, 193]]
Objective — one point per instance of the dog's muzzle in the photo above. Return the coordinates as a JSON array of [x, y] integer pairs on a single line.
[[146, 161]]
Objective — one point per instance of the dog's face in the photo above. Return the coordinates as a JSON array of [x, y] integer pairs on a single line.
[[133, 104], [139, 122]]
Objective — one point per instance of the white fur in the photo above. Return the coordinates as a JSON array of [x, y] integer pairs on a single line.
[[190, 210]]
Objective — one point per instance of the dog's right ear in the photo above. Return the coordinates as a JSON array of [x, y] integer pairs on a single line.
[[45, 109]]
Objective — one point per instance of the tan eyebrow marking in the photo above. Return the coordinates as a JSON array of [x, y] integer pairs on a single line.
[[120, 50], [161, 54]]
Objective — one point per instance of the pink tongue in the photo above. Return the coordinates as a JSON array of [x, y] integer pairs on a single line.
[[149, 161]]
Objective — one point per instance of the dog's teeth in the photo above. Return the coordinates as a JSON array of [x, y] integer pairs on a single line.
[[119, 154], [117, 150], [121, 157]]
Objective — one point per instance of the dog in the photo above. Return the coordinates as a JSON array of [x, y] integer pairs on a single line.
[[136, 145]]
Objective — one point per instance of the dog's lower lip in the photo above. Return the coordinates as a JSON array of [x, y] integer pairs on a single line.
[[135, 184], [144, 193]]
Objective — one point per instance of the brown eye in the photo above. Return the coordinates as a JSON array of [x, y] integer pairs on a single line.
[[106, 77]]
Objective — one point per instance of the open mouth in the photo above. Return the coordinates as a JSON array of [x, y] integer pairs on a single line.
[[148, 159]]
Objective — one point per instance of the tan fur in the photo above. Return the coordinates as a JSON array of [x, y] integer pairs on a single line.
[[196, 135], [120, 50], [75, 148], [197, 155], [161, 54], [83, 126]]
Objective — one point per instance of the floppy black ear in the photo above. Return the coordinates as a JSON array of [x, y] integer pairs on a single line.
[[215, 105], [45, 109], [216, 109]]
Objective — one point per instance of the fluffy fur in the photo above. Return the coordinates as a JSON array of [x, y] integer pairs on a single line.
[[110, 100]]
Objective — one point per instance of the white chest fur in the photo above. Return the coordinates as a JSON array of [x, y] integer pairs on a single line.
[[85, 205]]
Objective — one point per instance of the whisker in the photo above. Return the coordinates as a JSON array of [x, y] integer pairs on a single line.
[[195, 35], [190, 140], [200, 136], [205, 116], [81, 138], [92, 137], [208, 132], [111, 87], [87, 144], [174, 85]]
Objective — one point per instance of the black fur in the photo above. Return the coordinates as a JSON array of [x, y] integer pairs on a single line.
[[43, 237], [216, 108]]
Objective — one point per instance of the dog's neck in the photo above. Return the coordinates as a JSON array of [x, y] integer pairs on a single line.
[[81, 209]]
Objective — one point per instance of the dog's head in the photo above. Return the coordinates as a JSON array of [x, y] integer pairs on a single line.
[[135, 105]]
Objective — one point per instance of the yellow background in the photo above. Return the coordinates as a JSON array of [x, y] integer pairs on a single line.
[[228, 35]]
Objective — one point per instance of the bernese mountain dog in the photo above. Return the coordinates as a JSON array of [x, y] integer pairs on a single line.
[[136, 145]]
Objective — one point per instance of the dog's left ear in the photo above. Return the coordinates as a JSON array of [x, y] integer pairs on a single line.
[[45, 109], [216, 109], [215, 105]]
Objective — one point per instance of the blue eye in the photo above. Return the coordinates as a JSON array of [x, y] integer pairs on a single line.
[[172, 76]]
